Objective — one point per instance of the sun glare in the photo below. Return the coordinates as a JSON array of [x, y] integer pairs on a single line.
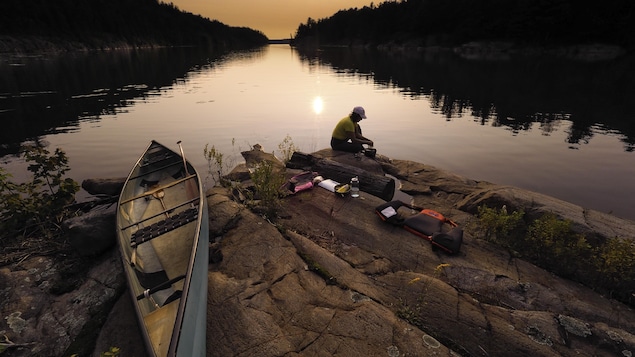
[[318, 105]]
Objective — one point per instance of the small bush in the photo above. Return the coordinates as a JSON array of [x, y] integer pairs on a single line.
[[552, 243], [616, 262], [499, 224], [36, 207], [287, 148], [412, 314], [217, 165], [267, 180]]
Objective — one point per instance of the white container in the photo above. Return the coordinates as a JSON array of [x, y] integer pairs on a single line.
[[355, 187]]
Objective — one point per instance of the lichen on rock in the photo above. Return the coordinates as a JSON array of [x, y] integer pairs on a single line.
[[574, 326], [15, 322]]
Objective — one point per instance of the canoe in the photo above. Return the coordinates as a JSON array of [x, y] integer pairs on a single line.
[[162, 231]]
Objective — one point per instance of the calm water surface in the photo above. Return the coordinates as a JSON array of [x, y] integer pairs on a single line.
[[563, 129]]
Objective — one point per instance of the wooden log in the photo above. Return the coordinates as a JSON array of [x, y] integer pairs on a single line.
[[301, 161], [376, 185]]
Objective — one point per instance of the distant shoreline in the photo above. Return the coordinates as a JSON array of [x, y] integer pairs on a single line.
[[284, 41], [38, 45], [489, 50]]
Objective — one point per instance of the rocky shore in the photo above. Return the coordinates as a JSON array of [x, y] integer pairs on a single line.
[[332, 279]]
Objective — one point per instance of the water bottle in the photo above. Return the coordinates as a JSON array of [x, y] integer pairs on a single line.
[[355, 187]]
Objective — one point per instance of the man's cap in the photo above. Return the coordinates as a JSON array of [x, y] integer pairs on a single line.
[[360, 111]]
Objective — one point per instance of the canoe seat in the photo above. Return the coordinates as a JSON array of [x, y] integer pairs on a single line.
[[154, 230]]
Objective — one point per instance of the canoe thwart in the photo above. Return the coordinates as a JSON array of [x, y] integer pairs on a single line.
[[156, 189], [154, 230]]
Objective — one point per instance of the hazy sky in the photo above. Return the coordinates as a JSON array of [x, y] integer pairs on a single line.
[[275, 18]]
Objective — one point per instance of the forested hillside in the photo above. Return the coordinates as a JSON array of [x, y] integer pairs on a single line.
[[32, 25], [452, 22]]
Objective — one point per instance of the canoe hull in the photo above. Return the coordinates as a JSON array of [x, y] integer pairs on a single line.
[[162, 231]]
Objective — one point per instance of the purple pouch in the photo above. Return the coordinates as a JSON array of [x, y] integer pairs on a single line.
[[302, 181]]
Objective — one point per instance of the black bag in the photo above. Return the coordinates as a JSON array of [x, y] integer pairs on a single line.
[[450, 241], [427, 224], [389, 212]]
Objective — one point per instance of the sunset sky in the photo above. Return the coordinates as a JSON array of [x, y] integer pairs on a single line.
[[277, 19]]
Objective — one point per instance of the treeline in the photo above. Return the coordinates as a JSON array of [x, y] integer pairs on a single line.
[[107, 23], [452, 22]]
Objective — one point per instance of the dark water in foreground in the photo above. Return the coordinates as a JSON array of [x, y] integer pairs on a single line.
[[563, 128]]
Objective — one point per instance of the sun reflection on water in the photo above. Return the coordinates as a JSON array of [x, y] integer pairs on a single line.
[[318, 105]]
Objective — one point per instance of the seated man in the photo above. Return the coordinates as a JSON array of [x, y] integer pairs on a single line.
[[347, 135]]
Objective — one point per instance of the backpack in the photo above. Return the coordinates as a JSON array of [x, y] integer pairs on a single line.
[[427, 224]]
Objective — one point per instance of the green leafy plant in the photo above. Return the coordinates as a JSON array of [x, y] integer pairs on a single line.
[[499, 224], [287, 148], [412, 314], [615, 260], [112, 352], [37, 206], [217, 165], [554, 245], [267, 180]]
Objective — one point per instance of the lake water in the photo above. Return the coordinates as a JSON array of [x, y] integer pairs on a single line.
[[565, 129]]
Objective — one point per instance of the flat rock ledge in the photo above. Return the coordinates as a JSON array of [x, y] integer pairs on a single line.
[[332, 279]]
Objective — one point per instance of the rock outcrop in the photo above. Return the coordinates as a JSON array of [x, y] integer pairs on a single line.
[[92, 233], [336, 278], [331, 278], [40, 320]]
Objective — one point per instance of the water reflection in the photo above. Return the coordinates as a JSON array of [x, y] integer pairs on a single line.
[[48, 95], [436, 108], [511, 94], [318, 105]]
